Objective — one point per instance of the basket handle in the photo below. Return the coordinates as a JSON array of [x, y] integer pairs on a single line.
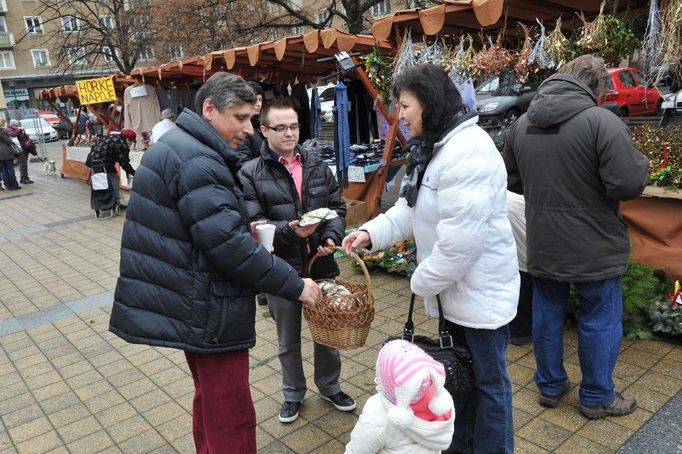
[[357, 259]]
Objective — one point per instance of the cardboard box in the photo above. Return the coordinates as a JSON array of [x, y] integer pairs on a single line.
[[356, 212]]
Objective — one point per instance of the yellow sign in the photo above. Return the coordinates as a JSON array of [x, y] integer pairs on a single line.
[[93, 91]]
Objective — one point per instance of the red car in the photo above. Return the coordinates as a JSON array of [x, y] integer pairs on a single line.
[[630, 95]]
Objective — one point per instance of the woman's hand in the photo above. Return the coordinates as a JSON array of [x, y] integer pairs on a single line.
[[327, 249], [357, 239]]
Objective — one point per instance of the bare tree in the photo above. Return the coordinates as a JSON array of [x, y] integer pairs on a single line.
[[87, 34], [356, 16], [196, 27]]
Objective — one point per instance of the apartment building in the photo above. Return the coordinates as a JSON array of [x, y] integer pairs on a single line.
[[26, 64]]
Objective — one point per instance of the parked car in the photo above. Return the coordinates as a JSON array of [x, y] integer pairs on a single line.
[[39, 130], [327, 96], [495, 107], [629, 95], [673, 103], [62, 127]]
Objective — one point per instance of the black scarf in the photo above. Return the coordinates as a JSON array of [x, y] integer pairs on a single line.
[[420, 155]]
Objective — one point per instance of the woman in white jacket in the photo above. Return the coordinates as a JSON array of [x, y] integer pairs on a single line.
[[453, 202]]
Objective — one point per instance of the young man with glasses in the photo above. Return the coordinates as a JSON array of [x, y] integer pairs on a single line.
[[281, 185]]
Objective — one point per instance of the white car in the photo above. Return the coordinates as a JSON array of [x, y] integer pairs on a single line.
[[327, 96], [673, 102], [38, 130]]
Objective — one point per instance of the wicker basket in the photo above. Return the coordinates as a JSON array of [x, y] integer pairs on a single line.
[[342, 321]]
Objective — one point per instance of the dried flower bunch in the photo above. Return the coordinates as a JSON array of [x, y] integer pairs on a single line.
[[557, 46], [491, 59], [522, 67], [608, 35]]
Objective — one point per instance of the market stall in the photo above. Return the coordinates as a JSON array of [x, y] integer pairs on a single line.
[[295, 61], [97, 96]]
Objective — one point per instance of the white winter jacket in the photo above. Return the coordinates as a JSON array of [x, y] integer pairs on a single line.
[[465, 247], [374, 433]]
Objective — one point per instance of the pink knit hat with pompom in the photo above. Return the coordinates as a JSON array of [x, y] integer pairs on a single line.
[[404, 374]]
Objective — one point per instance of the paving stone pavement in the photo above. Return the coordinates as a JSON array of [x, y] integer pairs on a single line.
[[68, 385]]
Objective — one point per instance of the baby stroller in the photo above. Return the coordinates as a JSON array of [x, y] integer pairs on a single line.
[[102, 197]]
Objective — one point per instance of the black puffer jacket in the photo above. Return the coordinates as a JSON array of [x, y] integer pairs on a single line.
[[270, 194], [574, 162], [189, 267], [251, 146]]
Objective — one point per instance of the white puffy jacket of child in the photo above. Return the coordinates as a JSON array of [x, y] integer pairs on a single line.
[[412, 412]]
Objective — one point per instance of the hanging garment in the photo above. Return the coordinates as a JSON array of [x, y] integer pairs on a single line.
[[300, 92], [468, 93], [361, 117], [315, 112], [168, 99], [343, 128], [142, 111]]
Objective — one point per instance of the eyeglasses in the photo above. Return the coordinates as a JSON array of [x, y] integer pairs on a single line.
[[283, 128]]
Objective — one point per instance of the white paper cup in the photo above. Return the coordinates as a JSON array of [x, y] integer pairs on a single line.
[[266, 235]]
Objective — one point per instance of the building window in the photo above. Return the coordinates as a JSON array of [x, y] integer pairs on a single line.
[[34, 26], [108, 54], [77, 56], [381, 8], [321, 16], [106, 22], [3, 24], [6, 59], [70, 24], [297, 30], [41, 58], [177, 53], [276, 34]]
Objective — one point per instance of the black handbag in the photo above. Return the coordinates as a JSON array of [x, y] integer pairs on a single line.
[[456, 358]]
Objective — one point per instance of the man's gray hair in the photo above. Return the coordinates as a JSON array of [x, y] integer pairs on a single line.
[[590, 70], [225, 90]]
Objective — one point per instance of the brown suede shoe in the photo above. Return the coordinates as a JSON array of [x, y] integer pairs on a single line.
[[622, 405]]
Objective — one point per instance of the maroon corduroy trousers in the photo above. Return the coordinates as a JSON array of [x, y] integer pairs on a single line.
[[224, 420]]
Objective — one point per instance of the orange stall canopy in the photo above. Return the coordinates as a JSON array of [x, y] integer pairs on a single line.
[[299, 58]]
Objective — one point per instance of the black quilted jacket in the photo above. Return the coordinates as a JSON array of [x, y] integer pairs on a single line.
[[270, 194], [189, 267]]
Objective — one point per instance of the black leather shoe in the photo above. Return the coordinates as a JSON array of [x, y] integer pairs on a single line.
[[289, 411], [341, 401], [27, 182]]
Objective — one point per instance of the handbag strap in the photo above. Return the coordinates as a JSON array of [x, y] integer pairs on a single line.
[[444, 336]]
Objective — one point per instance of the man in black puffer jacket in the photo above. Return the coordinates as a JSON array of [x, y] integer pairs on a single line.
[[190, 267], [284, 183], [574, 162]]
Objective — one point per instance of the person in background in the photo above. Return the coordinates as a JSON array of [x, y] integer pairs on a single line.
[[286, 180], [190, 267], [251, 146], [453, 201], [574, 162], [9, 178], [521, 328], [111, 150], [412, 411], [27, 147], [166, 124]]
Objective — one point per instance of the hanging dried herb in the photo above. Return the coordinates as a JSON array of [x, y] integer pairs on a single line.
[[463, 60], [492, 59], [379, 72], [608, 35], [522, 67], [557, 46], [404, 59], [539, 56], [671, 36]]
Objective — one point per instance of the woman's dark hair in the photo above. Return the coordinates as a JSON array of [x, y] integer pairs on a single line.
[[438, 96]]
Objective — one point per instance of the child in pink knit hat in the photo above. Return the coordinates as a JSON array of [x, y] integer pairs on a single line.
[[412, 413]]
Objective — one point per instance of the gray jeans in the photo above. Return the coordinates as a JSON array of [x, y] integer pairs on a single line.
[[23, 166], [287, 315]]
